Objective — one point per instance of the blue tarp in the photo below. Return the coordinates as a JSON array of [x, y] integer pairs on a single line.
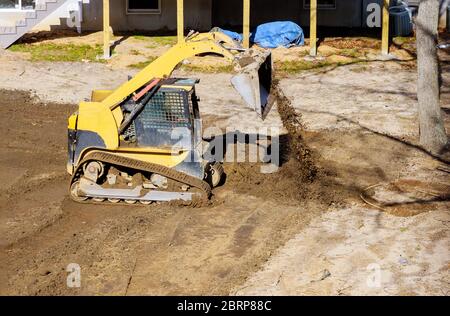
[[236, 36], [274, 34]]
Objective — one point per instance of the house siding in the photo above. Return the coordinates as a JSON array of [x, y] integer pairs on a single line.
[[197, 16], [228, 13], [202, 15]]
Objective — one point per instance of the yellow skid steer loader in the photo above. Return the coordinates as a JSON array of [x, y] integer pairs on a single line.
[[138, 143]]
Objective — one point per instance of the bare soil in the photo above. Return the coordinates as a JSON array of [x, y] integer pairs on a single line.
[[157, 249], [165, 249], [263, 233]]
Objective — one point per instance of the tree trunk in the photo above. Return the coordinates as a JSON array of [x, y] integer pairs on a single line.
[[432, 132]]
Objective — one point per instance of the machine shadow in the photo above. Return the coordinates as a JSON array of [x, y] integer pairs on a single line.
[[270, 149]]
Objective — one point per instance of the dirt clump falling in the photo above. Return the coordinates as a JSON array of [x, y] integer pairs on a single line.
[[298, 149], [299, 176]]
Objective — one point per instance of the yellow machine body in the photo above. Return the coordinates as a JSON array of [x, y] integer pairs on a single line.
[[96, 126]]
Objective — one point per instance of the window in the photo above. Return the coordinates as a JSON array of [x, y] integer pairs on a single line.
[[8, 4], [17, 4], [321, 4], [28, 4], [143, 6]]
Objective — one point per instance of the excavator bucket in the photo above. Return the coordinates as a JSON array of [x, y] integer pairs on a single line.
[[254, 81]]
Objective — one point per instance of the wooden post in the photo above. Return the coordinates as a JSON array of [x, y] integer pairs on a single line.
[[180, 20], [106, 30], [246, 24], [385, 29], [313, 28]]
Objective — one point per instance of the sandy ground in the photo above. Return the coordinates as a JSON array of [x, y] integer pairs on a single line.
[[255, 238], [355, 251]]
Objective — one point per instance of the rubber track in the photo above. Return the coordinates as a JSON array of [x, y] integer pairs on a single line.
[[113, 159]]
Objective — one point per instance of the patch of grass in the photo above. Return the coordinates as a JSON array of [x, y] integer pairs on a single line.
[[164, 40], [296, 66], [352, 53], [208, 69], [141, 37], [143, 64], [400, 40], [156, 41], [60, 52], [351, 43], [188, 67]]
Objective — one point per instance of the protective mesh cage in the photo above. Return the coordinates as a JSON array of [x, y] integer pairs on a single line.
[[167, 110]]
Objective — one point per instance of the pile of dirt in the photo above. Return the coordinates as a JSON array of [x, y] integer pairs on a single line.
[[285, 185], [300, 176]]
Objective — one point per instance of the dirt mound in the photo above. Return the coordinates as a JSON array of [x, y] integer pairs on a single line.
[[284, 184], [301, 175]]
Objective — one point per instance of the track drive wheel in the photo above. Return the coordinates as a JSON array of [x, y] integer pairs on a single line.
[[215, 174], [74, 192]]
